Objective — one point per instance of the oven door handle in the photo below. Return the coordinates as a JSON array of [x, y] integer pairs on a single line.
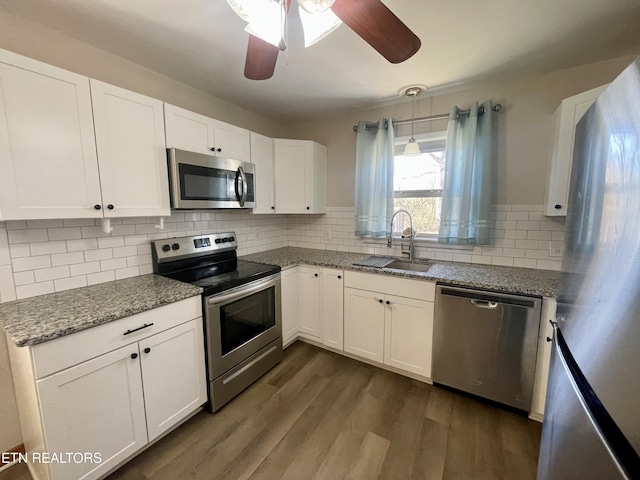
[[241, 197], [243, 291]]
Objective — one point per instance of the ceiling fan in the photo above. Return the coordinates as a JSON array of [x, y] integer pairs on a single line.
[[370, 19]]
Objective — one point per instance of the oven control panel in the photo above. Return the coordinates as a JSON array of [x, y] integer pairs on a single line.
[[184, 247]]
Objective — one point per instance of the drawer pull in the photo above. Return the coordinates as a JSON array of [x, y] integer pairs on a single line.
[[134, 356], [146, 325], [147, 350]]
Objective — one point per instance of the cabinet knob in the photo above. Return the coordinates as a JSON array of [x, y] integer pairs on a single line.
[[339, 276], [558, 207], [380, 300], [308, 208], [110, 206], [273, 208], [147, 350], [213, 149], [134, 356], [97, 207], [388, 302], [218, 149], [315, 274]]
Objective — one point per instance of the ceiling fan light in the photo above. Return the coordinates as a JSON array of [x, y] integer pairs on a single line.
[[412, 147], [316, 26], [265, 18], [315, 6]]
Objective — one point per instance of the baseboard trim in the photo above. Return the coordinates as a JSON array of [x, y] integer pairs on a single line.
[[19, 449]]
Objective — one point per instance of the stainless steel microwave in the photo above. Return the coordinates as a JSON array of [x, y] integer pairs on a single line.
[[206, 181]]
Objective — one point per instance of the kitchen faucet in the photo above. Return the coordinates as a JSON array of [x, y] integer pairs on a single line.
[[411, 234]]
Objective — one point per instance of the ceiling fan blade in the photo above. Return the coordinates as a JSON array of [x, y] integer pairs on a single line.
[[261, 56], [379, 27], [261, 59]]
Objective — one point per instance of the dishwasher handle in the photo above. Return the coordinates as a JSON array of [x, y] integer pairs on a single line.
[[484, 303]]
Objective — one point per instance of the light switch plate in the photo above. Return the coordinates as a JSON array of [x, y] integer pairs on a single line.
[[327, 234]]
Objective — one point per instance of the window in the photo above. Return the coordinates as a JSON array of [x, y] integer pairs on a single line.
[[417, 184]]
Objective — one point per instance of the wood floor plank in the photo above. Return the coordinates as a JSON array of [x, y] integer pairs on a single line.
[[370, 458], [516, 436], [431, 451], [440, 405], [341, 455]]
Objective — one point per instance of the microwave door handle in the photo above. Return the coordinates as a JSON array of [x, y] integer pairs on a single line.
[[243, 199], [235, 185]]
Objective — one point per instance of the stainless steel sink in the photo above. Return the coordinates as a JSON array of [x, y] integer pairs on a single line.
[[413, 267]]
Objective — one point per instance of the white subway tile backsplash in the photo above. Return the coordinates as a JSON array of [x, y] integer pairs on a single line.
[[113, 264], [66, 233], [145, 269], [548, 264], [5, 252], [85, 268], [101, 277], [528, 225], [45, 274], [124, 230], [31, 263], [110, 242], [67, 258], [82, 245], [79, 222], [125, 251], [7, 288], [138, 260], [16, 225], [539, 235], [138, 239], [35, 289], [69, 283], [502, 261], [93, 232], [531, 244], [93, 255], [537, 254], [515, 234], [24, 278], [517, 216], [35, 224], [513, 252], [46, 248], [524, 263], [20, 250], [127, 272], [28, 236]]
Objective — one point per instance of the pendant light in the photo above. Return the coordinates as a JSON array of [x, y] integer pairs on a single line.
[[412, 147]]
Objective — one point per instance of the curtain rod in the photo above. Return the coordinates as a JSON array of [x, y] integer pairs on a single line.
[[496, 108]]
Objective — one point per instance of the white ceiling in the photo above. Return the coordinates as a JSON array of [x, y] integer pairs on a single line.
[[202, 43]]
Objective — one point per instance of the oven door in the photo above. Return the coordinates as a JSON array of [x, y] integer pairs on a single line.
[[203, 181], [240, 322]]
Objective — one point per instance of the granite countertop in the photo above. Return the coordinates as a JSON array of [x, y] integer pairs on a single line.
[[39, 319], [527, 281]]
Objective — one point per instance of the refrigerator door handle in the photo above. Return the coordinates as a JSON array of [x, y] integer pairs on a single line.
[[621, 451]]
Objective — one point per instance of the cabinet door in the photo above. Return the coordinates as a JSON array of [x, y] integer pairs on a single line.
[[131, 152], [232, 142], [317, 180], [47, 145], [364, 324], [173, 372], [310, 284], [292, 160], [96, 407], [332, 308], [188, 130], [565, 119], [262, 158], [408, 334], [289, 293]]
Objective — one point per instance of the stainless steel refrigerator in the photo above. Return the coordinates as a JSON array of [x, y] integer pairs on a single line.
[[591, 427]]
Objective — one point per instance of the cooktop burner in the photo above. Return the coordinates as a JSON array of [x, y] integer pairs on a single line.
[[208, 261]]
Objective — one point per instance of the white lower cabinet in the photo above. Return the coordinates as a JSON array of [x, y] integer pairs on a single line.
[[332, 308], [114, 402], [364, 324], [382, 325], [310, 293], [289, 294]]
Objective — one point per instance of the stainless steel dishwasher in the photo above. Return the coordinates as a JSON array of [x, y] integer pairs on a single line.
[[486, 343]]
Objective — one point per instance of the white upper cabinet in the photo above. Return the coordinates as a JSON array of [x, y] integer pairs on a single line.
[[197, 133], [132, 157], [48, 158], [300, 176], [565, 119], [262, 158]]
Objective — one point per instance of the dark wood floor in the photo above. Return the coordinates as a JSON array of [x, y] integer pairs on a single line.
[[319, 415]]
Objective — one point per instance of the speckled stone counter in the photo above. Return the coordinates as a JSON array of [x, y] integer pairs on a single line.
[[525, 281], [39, 319]]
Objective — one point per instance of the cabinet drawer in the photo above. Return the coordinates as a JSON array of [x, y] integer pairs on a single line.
[[64, 352], [402, 287]]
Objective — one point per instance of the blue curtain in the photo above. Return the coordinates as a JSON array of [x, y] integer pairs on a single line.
[[469, 177], [374, 177]]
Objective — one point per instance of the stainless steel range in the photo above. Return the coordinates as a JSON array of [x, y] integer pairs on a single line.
[[241, 308]]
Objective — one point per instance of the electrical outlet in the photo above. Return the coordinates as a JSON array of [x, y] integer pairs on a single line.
[[327, 235], [556, 249]]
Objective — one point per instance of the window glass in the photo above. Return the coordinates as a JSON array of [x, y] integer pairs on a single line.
[[417, 183]]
